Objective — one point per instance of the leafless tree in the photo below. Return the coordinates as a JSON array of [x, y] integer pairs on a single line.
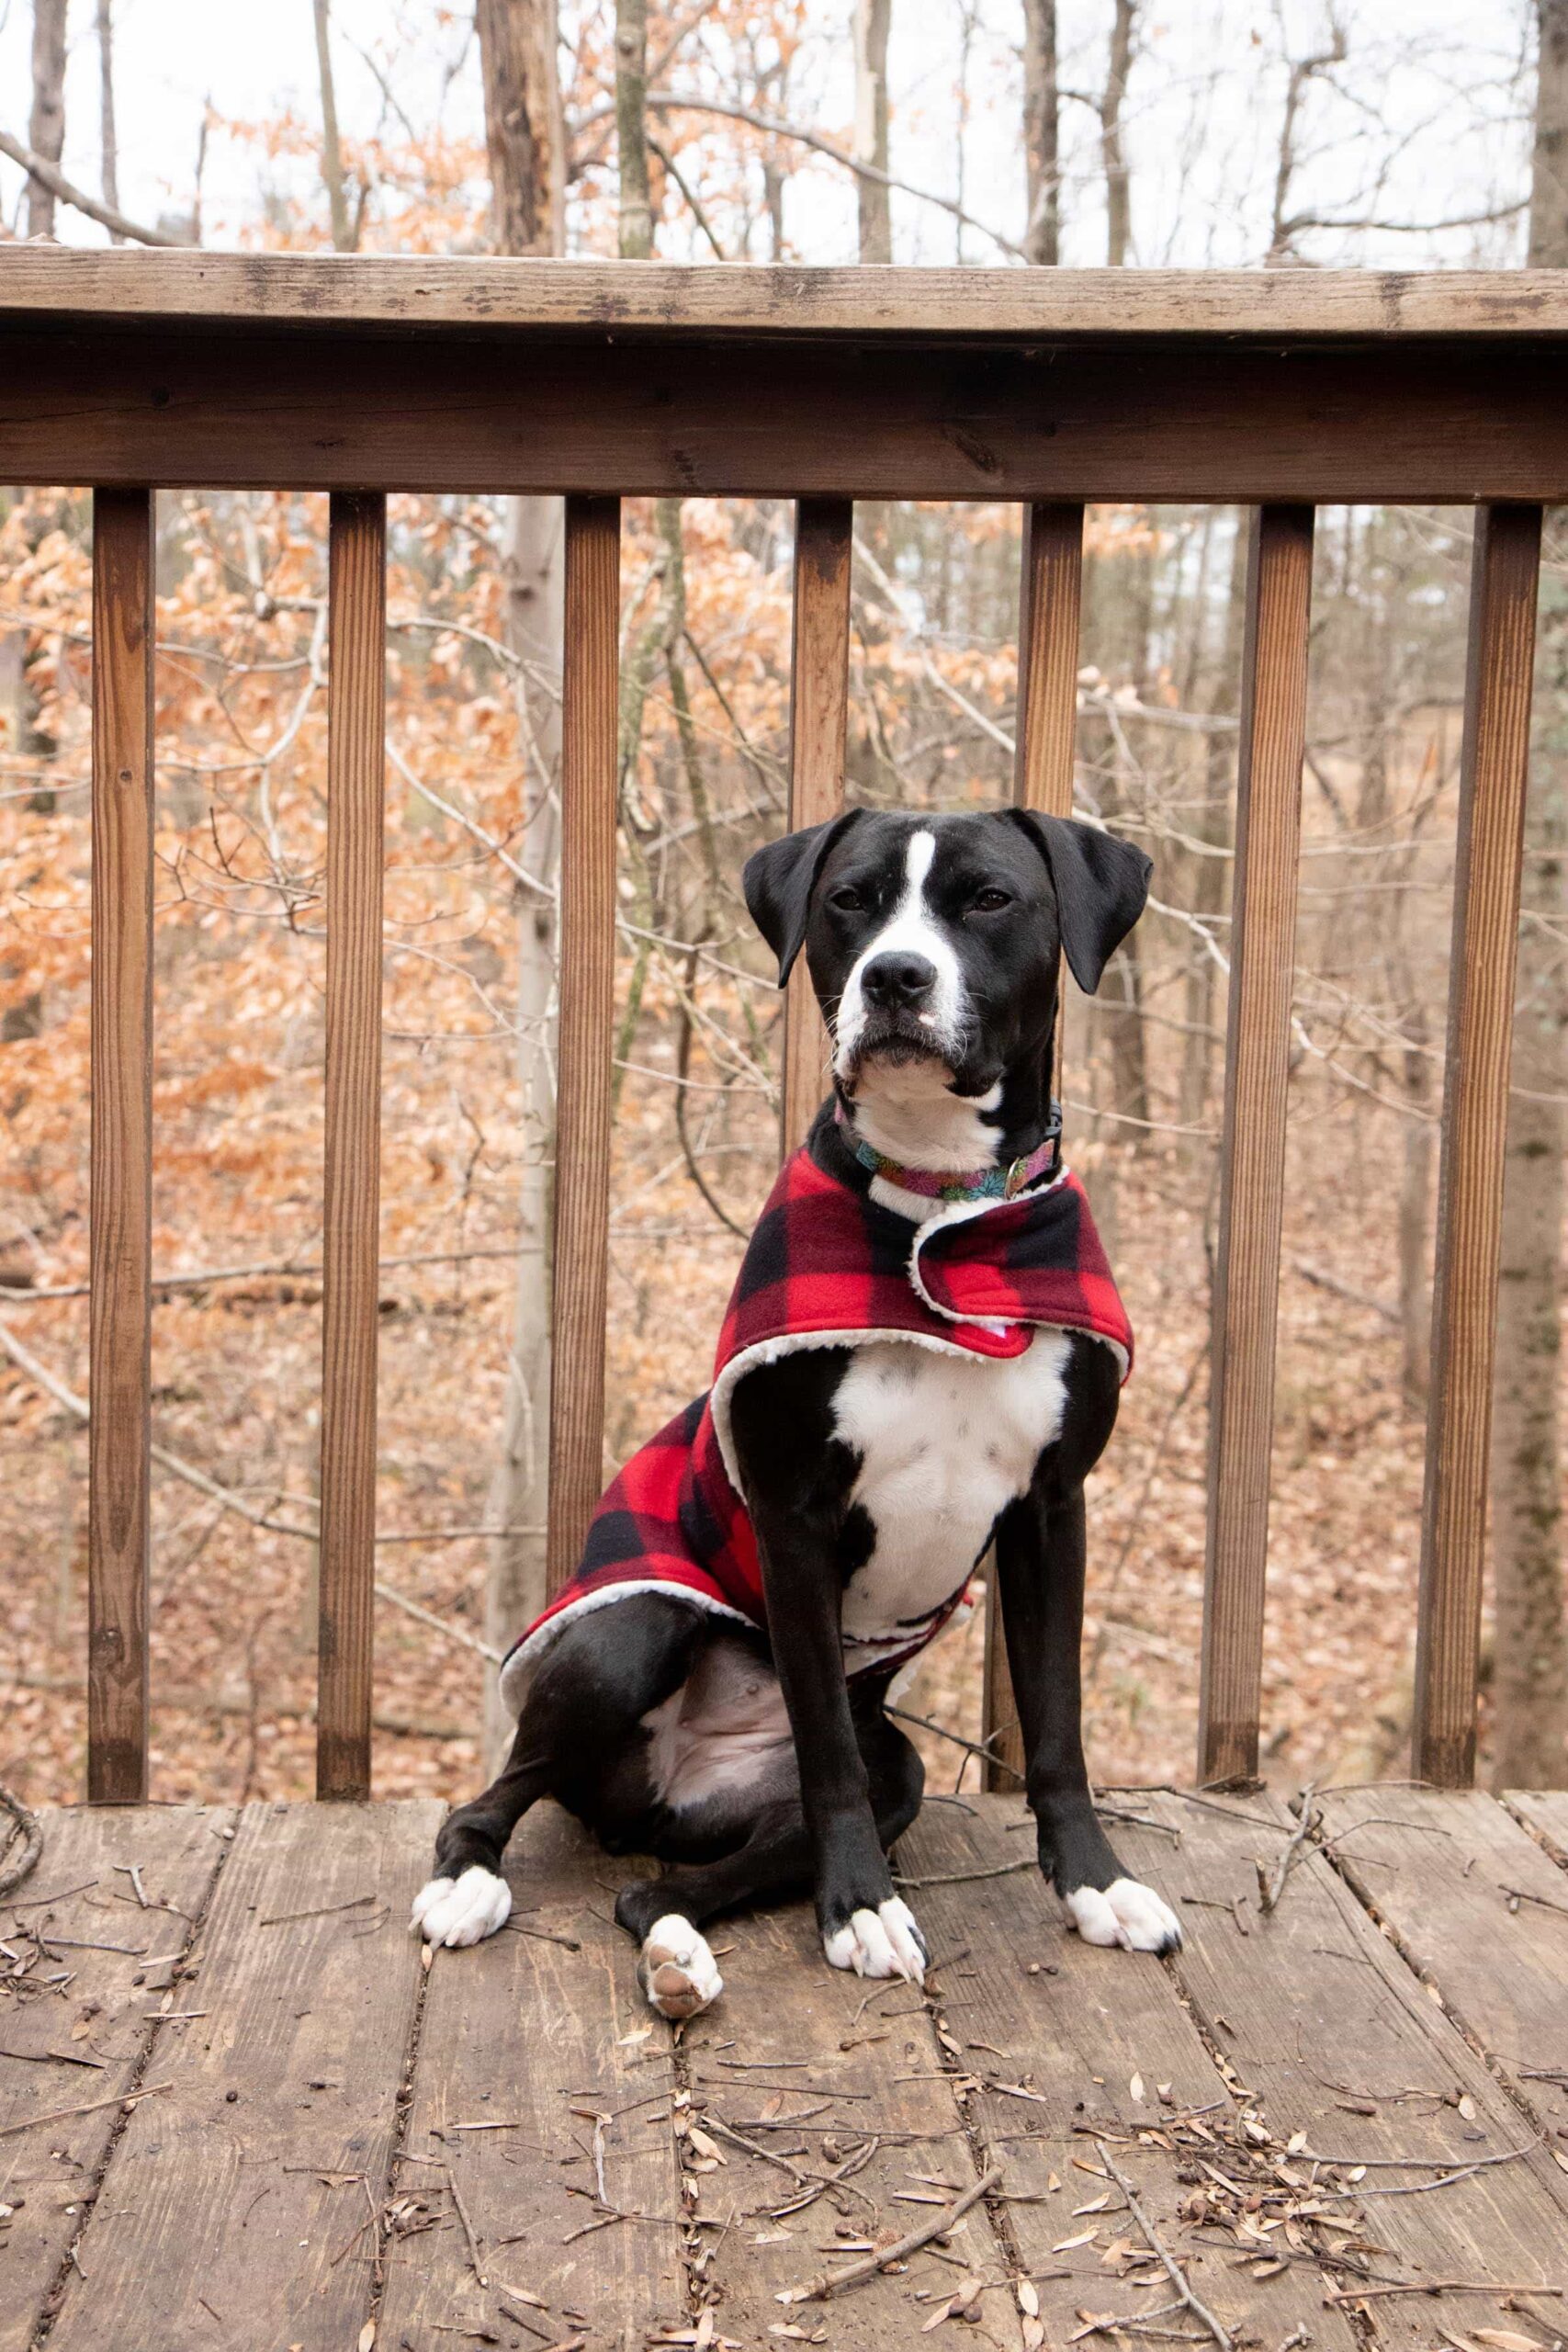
[[526, 140], [1041, 134], [1530, 1678], [46, 130], [873, 22]]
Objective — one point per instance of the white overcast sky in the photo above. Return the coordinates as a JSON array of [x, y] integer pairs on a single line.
[[1428, 120]]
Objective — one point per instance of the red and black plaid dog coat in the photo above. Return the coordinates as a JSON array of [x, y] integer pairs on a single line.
[[829, 1266]]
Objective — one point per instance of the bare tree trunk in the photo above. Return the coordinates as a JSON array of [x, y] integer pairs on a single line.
[[1530, 1678], [523, 126], [46, 132], [331, 153], [872, 21], [1043, 236], [1118, 201], [108, 143], [635, 224], [525, 138]]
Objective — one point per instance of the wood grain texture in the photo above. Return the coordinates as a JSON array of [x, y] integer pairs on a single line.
[[1089, 2035], [1494, 763], [1049, 605], [701, 414], [119, 1379], [818, 717], [351, 1228], [1440, 1866], [1314, 2008], [1545, 1811], [642, 298], [47, 2175], [240, 2186], [588, 690], [1252, 1162], [535, 2038], [855, 2060]]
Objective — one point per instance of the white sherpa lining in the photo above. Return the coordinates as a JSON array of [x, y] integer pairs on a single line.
[[518, 1671], [964, 1213]]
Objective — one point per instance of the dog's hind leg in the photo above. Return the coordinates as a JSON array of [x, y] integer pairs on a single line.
[[676, 1967], [579, 1739]]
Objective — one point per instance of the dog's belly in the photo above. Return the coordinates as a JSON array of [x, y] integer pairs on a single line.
[[945, 1442], [724, 1732]]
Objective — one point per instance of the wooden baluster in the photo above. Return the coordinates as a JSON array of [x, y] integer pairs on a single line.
[[580, 1286], [350, 1245], [119, 1379], [1050, 599], [819, 712], [1252, 1166], [1494, 766]]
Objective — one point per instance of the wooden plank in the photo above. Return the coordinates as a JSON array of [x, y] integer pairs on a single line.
[[1321, 2019], [1252, 1155], [1443, 1869], [1049, 601], [409, 293], [351, 1228], [242, 2186], [1545, 1811], [119, 1377], [100, 2021], [1493, 764], [536, 2037], [855, 2060], [819, 716], [1091, 2042], [589, 689], [699, 415]]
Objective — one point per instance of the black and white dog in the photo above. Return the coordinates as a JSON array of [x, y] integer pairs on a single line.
[[748, 1763]]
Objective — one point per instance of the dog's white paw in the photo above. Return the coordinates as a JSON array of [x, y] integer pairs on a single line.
[[1127, 1913], [464, 1910], [676, 1969], [884, 1943]]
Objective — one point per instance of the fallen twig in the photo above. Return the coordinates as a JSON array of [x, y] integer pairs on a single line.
[[1271, 1884], [1167, 2262], [960, 1878], [462, 2212], [321, 1911], [1438, 2286], [63, 2114], [835, 2281], [24, 1826]]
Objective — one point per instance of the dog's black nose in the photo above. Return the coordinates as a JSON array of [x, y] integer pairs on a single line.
[[898, 978]]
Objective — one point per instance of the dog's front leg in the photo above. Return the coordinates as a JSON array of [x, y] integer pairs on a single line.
[[864, 1925], [1040, 1554]]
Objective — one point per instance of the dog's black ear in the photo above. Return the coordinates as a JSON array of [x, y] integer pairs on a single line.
[[1100, 883], [778, 880]]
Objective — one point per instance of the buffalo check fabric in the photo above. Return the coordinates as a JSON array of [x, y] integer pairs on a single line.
[[827, 1265]]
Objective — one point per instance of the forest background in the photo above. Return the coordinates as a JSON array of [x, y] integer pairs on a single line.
[[1008, 133]]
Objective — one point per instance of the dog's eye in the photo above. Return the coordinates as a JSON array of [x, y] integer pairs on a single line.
[[847, 901], [991, 901]]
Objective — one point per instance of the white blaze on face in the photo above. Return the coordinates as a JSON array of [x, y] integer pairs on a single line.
[[912, 930]]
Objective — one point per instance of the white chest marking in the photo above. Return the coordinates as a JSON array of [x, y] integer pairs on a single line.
[[946, 1443]]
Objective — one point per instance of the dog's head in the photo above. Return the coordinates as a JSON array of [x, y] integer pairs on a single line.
[[936, 939]]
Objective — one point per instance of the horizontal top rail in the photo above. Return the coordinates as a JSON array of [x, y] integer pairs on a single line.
[[494, 292]]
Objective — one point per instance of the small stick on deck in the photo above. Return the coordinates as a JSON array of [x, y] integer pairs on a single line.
[[1169, 2262], [835, 2282], [1271, 1886], [61, 2114], [468, 2227]]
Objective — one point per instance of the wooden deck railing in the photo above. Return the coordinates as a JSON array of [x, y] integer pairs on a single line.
[[360, 377]]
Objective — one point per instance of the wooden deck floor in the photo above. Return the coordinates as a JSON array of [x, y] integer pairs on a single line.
[[236, 2112]]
